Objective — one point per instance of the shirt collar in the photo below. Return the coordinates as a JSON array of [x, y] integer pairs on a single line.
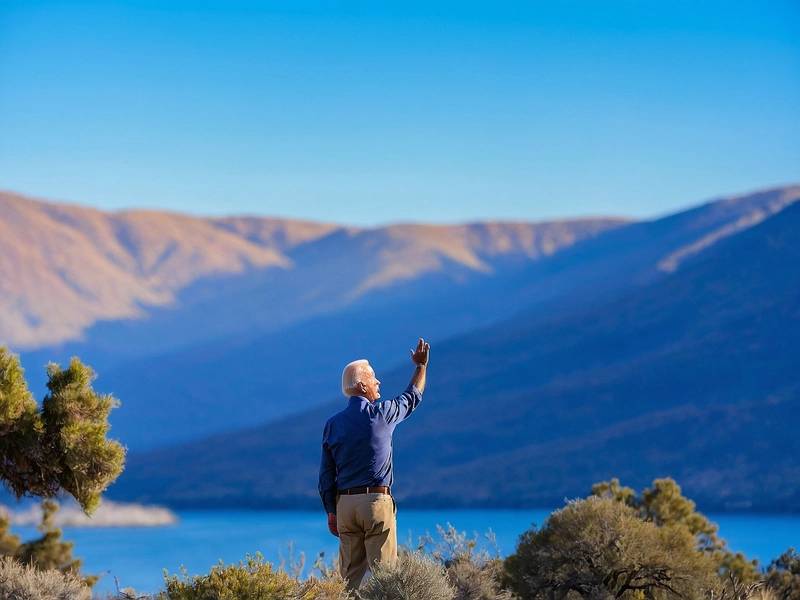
[[358, 400]]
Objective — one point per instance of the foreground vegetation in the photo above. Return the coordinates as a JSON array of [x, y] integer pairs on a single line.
[[60, 448], [613, 544]]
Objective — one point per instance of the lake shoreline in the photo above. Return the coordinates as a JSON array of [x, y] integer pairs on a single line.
[[309, 508]]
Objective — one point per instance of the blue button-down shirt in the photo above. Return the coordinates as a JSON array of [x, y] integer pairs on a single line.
[[357, 444]]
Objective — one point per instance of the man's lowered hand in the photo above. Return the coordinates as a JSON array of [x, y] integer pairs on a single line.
[[332, 524]]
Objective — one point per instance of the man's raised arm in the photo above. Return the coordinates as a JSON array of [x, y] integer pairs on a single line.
[[397, 409], [420, 358]]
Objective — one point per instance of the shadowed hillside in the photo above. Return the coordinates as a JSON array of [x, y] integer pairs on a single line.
[[264, 376], [691, 373], [326, 285], [270, 341]]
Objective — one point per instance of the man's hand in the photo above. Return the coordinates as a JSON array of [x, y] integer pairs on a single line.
[[332, 524], [420, 355]]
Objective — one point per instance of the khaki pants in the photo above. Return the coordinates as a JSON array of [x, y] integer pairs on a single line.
[[367, 533]]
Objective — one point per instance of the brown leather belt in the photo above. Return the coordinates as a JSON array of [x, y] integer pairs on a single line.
[[378, 489]]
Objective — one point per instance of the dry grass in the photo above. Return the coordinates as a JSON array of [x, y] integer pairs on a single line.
[[472, 565], [332, 587], [475, 580], [20, 582], [763, 593]]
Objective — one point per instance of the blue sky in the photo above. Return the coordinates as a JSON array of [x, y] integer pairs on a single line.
[[381, 112]]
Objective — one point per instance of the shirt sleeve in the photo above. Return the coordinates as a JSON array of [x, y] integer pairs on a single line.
[[327, 474], [400, 408]]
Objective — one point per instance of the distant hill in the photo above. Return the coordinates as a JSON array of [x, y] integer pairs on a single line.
[[139, 277], [155, 300], [659, 348], [262, 376], [65, 267]]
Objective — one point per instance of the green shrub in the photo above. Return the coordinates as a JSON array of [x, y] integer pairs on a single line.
[[413, 576], [75, 419], [600, 548], [21, 582], [783, 575], [664, 504], [63, 446], [251, 579]]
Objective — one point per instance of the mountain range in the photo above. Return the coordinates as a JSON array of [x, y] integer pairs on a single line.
[[562, 353], [181, 316]]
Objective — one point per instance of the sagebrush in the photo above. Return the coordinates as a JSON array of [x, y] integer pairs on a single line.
[[23, 582], [413, 576]]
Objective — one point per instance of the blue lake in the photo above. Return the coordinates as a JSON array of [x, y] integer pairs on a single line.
[[136, 556]]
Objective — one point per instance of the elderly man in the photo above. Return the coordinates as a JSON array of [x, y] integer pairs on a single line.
[[356, 470]]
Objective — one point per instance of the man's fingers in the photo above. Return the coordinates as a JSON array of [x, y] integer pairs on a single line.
[[422, 348]]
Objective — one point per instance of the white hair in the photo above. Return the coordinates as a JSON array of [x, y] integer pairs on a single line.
[[354, 373]]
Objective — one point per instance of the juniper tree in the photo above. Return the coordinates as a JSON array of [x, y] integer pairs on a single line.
[[665, 505], [63, 445], [783, 575], [60, 448], [599, 548]]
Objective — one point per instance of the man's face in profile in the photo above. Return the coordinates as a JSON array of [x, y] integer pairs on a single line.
[[371, 385]]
